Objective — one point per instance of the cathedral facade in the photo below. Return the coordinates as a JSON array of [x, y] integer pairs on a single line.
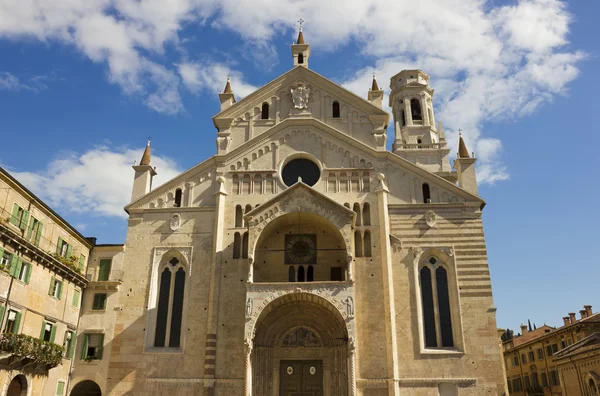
[[304, 258]]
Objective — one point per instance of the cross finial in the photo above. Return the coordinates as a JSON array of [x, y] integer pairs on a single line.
[[300, 21], [460, 131], [149, 137]]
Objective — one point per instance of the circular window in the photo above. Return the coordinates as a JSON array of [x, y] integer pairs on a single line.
[[302, 168], [432, 261]]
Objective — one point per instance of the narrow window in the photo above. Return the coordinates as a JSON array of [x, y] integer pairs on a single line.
[[246, 184], [245, 245], [238, 216], [343, 182], [419, 142], [257, 184], [335, 107], [99, 303], [310, 274], [415, 109], [265, 111], [355, 182], [366, 218], [356, 209], [177, 310], [366, 187], [367, 242], [246, 210], [300, 274], [403, 118], [444, 307], [104, 269], [178, 194], [237, 245], [236, 184], [358, 247], [269, 185], [426, 193], [428, 311], [291, 274], [163, 308], [300, 58]]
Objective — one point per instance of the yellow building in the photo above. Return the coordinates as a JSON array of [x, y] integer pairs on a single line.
[[532, 358], [43, 260], [579, 367]]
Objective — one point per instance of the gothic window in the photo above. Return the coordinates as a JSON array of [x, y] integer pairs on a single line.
[[310, 276], [178, 195], [335, 109], [238, 216], [358, 246], [245, 245], [300, 274], [291, 274], [367, 243], [300, 58], [257, 184], [265, 111], [237, 245], [435, 300], [236, 184], [170, 305], [426, 193], [248, 209], [415, 110], [366, 217], [356, 209]]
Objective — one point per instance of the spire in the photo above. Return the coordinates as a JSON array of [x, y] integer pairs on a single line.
[[146, 156], [227, 89], [300, 35], [462, 148], [374, 86]]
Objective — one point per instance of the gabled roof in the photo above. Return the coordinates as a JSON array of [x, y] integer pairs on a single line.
[[589, 343]]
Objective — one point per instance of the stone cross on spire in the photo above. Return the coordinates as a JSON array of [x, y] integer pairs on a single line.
[[300, 21]]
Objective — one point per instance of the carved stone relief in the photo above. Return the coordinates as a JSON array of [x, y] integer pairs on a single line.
[[175, 222]]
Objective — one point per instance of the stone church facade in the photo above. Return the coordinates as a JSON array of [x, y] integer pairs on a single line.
[[303, 258]]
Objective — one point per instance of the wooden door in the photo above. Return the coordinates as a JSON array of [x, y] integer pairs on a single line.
[[301, 378]]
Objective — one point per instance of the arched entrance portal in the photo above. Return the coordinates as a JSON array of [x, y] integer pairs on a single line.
[[18, 386], [301, 347], [87, 388]]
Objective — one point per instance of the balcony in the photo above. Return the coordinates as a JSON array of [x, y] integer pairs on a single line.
[[104, 280], [534, 391], [28, 354], [419, 146]]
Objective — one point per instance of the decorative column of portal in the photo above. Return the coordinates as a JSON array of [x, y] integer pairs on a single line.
[[351, 367], [248, 382]]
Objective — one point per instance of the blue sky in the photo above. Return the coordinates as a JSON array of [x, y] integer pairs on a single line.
[[84, 83]]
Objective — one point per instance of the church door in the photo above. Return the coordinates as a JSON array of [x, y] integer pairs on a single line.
[[301, 378]]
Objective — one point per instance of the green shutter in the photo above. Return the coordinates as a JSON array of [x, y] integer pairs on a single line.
[[52, 333], [43, 328], [59, 289], [75, 298], [60, 388], [28, 275], [18, 267], [81, 261], [2, 308], [51, 286], [38, 234], [59, 245], [17, 323], [69, 250], [13, 264], [100, 347], [15, 215], [30, 228], [104, 269], [84, 346], [24, 219], [1, 252], [71, 349]]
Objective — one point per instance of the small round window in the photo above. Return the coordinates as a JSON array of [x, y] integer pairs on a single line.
[[302, 168]]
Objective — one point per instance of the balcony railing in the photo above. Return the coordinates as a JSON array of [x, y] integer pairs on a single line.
[[534, 391], [419, 146], [19, 350], [98, 275]]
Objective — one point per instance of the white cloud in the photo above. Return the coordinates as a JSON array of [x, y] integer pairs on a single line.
[[97, 182], [10, 82], [212, 77]]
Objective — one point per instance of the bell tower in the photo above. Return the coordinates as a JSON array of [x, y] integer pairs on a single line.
[[416, 136], [301, 50]]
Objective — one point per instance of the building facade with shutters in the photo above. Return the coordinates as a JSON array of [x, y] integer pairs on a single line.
[[43, 260], [303, 258]]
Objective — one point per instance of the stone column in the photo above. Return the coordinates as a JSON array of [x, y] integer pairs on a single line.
[[250, 269], [350, 268], [407, 112], [248, 382], [424, 112], [351, 367]]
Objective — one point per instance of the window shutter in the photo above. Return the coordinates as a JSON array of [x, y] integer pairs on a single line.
[[43, 329], [51, 286], [69, 251], [59, 245], [75, 298], [30, 228], [15, 215], [18, 266], [28, 275], [81, 261], [59, 289], [38, 234], [2, 308], [1, 252], [24, 219], [71, 350], [17, 323], [52, 333], [13, 264], [100, 346], [84, 346]]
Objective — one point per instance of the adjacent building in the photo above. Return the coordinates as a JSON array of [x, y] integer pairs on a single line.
[[43, 262], [538, 360]]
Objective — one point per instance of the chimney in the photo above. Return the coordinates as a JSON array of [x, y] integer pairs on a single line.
[[588, 310], [566, 320], [572, 317], [523, 329], [583, 313]]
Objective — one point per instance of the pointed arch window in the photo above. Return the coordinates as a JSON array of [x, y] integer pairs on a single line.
[[310, 275], [367, 243], [171, 294], [426, 193], [366, 217], [358, 245], [237, 245], [435, 302], [245, 245], [335, 110], [415, 110], [239, 216], [236, 184], [300, 58], [265, 111], [300, 274], [291, 274], [257, 184], [178, 195], [356, 209]]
